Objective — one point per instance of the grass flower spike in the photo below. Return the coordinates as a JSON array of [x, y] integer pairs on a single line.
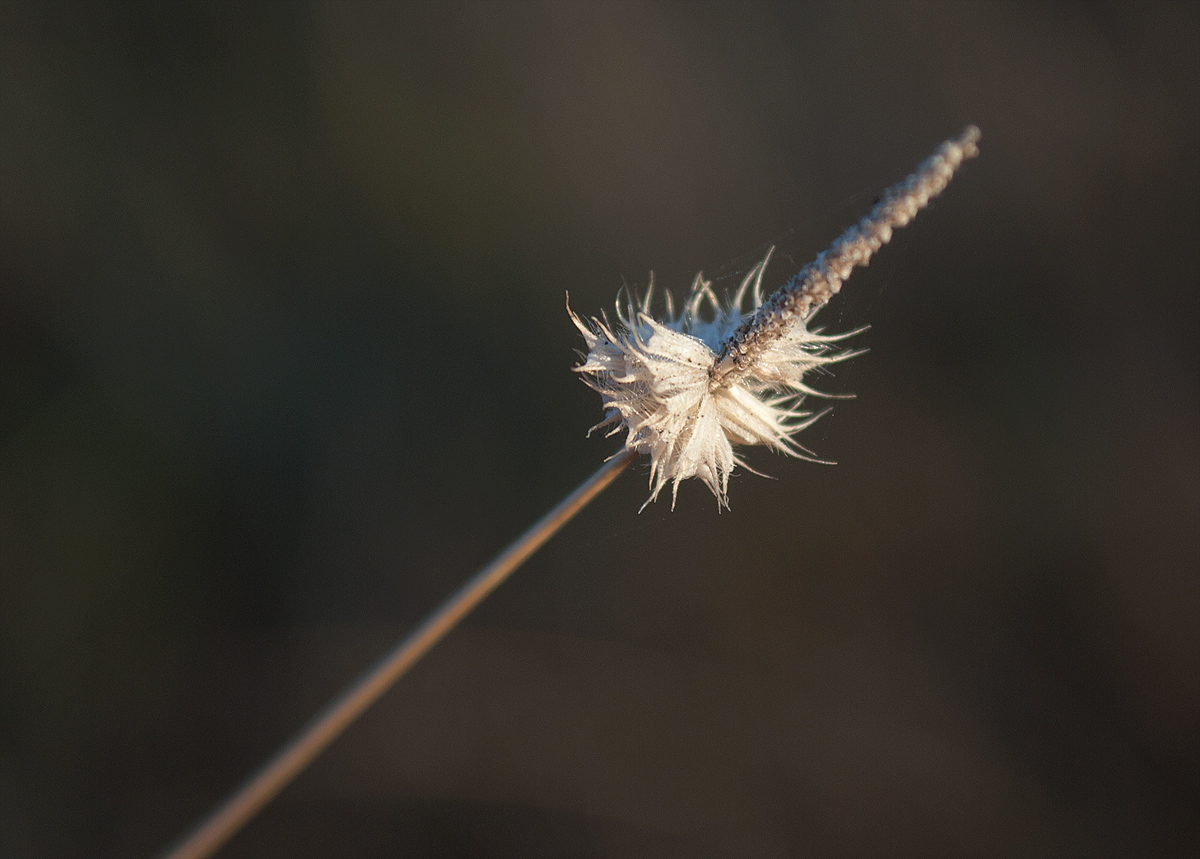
[[690, 386], [687, 388]]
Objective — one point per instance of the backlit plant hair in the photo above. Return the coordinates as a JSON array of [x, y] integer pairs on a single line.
[[686, 389]]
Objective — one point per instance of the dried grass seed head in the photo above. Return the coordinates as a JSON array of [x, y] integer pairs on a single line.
[[691, 385]]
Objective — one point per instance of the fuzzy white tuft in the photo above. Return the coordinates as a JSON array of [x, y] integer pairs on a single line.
[[654, 377], [688, 387]]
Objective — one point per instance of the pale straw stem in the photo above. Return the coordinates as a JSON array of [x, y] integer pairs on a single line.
[[290, 761]]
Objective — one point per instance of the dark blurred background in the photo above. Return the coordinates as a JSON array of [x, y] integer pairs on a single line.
[[284, 359]]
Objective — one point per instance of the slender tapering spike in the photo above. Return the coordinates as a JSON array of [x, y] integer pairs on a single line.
[[813, 286]]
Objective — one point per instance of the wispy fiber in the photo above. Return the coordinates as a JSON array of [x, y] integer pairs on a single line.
[[687, 387]]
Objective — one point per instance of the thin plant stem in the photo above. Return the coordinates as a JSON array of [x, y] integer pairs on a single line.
[[225, 821]]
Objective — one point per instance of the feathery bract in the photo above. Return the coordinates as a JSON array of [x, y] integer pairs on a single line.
[[688, 387]]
